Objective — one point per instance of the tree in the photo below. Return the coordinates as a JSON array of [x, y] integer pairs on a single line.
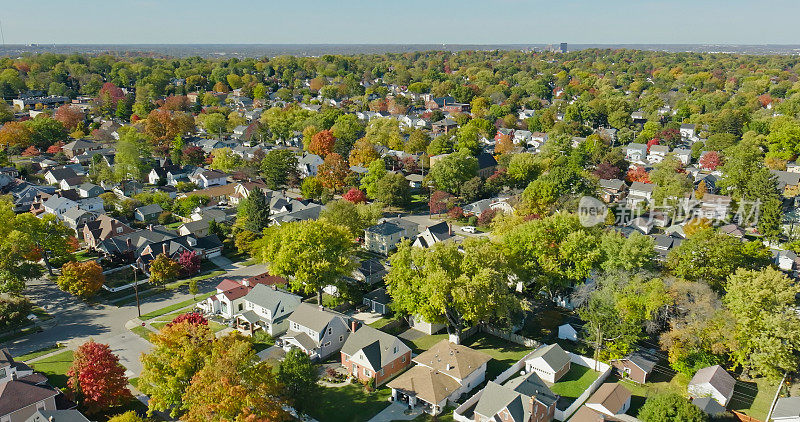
[[695, 225], [31, 151], [322, 143], [363, 153], [638, 174], [45, 131], [279, 168], [163, 269], [298, 375], [189, 262], [633, 253], [97, 380], [472, 190], [15, 134], [385, 131], [312, 254], [14, 310], [450, 172], [523, 169], [129, 416], [552, 253], [53, 241], [504, 145], [443, 285], [234, 385], [355, 217], [214, 123], [179, 352], [393, 189], [440, 202], [355, 196], [332, 172], [670, 407], [767, 329], [253, 213], [710, 160], [82, 279], [224, 159], [712, 256], [128, 163], [369, 183], [193, 318], [311, 188]]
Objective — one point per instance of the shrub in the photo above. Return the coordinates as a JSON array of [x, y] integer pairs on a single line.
[[14, 310]]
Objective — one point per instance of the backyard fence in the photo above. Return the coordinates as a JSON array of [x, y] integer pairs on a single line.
[[741, 417], [605, 370]]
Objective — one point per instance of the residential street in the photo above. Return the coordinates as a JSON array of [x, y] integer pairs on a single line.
[[77, 322]]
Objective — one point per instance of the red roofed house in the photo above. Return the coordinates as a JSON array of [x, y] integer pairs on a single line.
[[228, 301]]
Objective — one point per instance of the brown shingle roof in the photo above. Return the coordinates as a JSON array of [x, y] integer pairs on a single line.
[[429, 385], [453, 359]]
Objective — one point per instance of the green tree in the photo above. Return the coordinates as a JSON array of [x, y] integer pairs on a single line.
[[278, 168], [670, 407], [369, 183], [311, 188], [523, 169], [163, 269], [356, 217], [767, 328], [392, 189], [386, 132], [633, 253], [298, 375], [128, 163], [253, 213], [53, 241], [214, 123], [226, 160], [443, 285], [450, 172], [312, 254]]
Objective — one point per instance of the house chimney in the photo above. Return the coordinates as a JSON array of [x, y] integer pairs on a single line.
[[449, 229], [164, 248], [128, 243], [150, 227], [354, 326]]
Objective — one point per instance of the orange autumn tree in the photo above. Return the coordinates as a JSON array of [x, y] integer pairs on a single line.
[[31, 151], [363, 153], [82, 279], [97, 381], [15, 134], [333, 171], [504, 145], [322, 143], [70, 116], [638, 174]]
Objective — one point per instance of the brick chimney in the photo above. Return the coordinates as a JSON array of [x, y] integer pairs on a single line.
[[354, 325], [164, 248], [128, 243]]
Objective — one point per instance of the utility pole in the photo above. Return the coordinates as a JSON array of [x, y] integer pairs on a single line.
[[136, 290]]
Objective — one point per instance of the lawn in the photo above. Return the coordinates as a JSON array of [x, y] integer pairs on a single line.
[[753, 398], [37, 353], [142, 332], [184, 282], [426, 342], [349, 404], [504, 353], [445, 416], [55, 368], [574, 382], [659, 382], [380, 323], [174, 307], [85, 255], [122, 277]]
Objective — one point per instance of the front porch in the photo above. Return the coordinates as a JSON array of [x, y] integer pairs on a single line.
[[248, 322], [415, 403]]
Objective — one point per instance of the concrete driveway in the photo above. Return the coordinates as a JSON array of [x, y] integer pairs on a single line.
[[397, 412]]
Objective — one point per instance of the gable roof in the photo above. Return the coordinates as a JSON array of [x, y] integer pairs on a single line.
[[314, 318], [150, 209], [70, 415], [717, 377], [553, 355], [710, 406], [786, 407], [378, 347], [385, 229], [23, 392], [455, 360], [611, 396], [429, 385], [278, 302]]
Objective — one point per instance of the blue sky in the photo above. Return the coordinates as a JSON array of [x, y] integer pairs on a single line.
[[400, 22]]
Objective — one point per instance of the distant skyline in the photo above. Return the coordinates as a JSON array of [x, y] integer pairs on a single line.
[[395, 22]]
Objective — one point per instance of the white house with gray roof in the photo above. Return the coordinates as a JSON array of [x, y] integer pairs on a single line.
[[550, 362], [316, 331], [523, 399], [269, 308], [712, 381]]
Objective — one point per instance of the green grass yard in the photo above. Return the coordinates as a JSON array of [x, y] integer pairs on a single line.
[[504, 353], [426, 342], [55, 368], [348, 404], [36, 353], [142, 332], [174, 307], [574, 382]]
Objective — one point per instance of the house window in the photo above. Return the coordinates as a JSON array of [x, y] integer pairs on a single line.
[[119, 229], [404, 359], [366, 372], [40, 405], [2, 373]]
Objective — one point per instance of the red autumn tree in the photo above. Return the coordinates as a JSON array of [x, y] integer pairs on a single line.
[[440, 202], [176, 103], [638, 174], [193, 155], [710, 160], [607, 170], [333, 171], [669, 136], [355, 196], [322, 143], [654, 141], [97, 381], [55, 148], [193, 318], [69, 116], [31, 151], [765, 99], [456, 213], [189, 262], [487, 217]]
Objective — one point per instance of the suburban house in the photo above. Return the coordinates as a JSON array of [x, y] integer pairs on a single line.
[[267, 308], [67, 415], [567, 332], [160, 174], [657, 154], [128, 188], [635, 152], [640, 192], [56, 175], [443, 126], [384, 236], [24, 392], [612, 190], [308, 164], [148, 212], [436, 233], [104, 227], [197, 228], [688, 131], [418, 323], [228, 300], [89, 190], [208, 178], [787, 409], [369, 354], [715, 207], [525, 398], [369, 272], [487, 164], [377, 301], [442, 373], [499, 205], [714, 382], [637, 366], [76, 218], [550, 362], [316, 331], [78, 147], [610, 400], [58, 205]]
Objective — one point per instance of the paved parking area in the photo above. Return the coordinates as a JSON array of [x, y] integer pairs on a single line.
[[397, 412]]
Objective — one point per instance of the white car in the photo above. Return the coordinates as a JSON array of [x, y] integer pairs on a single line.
[[468, 229]]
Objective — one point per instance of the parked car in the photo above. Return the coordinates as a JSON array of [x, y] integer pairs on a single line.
[[468, 229]]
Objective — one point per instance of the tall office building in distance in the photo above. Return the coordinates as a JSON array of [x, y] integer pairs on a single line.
[[563, 47]]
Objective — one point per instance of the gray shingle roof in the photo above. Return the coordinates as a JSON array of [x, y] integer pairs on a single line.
[[377, 346], [787, 407], [312, 317], [717, 377], [553, 355], [279, 303]]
